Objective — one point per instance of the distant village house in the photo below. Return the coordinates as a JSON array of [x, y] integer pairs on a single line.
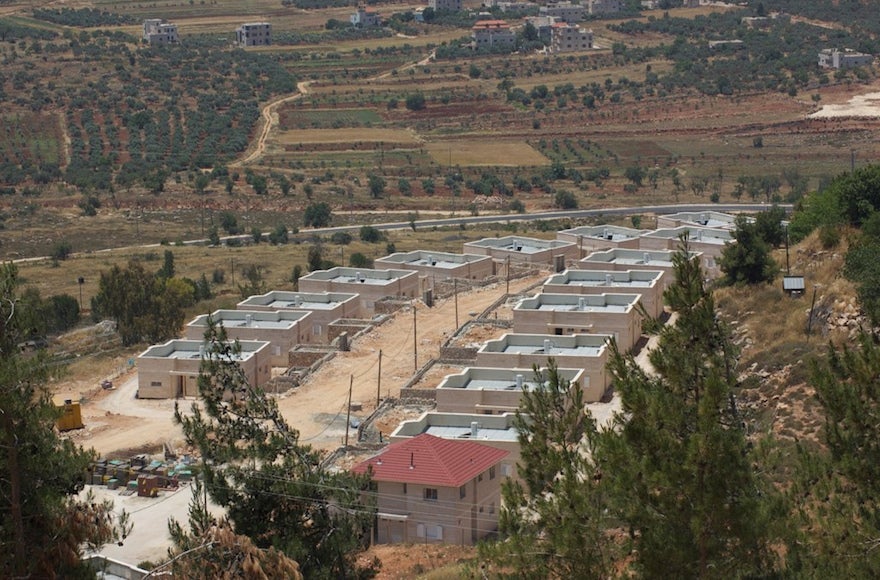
[[843, 59], [566, 37], [493, 34], [365, 18], [254, 34], [158, 31]]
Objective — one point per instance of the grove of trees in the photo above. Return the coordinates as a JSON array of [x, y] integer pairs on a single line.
[[44, 527]]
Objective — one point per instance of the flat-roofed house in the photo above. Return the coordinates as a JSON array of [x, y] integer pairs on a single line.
[[283, 329], [435, 490], [709, 241], [326, 308], [171, 370], [565, 37], [253, 34], [158, 31], [493, 34], [496, 431], [591, 238], [649, 284], [565, 11], [520, 249], [622, 259], [706, 219], [580, 351], [492, 391], [561, 314], [369, 284], [440, 265]]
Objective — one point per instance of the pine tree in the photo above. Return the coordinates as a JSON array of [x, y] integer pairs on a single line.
[[552, 521], [274, 488], [839, 489], [209, 548], [679, 468], [43, 527]]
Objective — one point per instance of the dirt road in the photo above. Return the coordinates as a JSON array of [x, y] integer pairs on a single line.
[[116, 420]]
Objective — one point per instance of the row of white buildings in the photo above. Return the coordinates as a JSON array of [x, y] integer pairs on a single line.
[[439, 479]]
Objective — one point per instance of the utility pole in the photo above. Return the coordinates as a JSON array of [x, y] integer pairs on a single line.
[[455, 293], [812, 306], [379, 379], [415, 342], [348, 408], [507, 275], [787, 264], [232, 267]]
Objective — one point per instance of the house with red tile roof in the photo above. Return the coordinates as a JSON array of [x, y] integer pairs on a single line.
[[434, 490]]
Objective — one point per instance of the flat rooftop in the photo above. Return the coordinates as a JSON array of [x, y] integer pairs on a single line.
[[282, 300], [549, 345], [710, 219], [365, 276], [492, 379], [479, 434], [579, 302], [519, 244], [694, 233], [195, 349], [606, 278], [279, 320], [433, 259], [660, 259], [605, 232]]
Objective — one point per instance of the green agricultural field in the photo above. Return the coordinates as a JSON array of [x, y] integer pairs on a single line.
[[328, 118], [33, 138]]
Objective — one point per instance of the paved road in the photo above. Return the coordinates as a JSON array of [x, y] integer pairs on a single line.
[[493, 218], [562, 214]]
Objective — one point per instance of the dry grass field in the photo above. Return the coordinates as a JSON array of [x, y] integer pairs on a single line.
[[305, 137], [485, 152]]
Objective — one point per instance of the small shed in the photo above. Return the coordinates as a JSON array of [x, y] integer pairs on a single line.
[[793, 285]]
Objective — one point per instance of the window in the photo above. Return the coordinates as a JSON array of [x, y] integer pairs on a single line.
[[430, 494], [506, 469], [492, 473], [480, 478], [404, 489], [492, 508], [462, 492], [316, 329], [155, 383], [434, 532]]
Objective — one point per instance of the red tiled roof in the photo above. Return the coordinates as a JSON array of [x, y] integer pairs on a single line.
[[430, 460]]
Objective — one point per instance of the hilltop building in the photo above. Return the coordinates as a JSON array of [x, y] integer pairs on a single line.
[[434, 490], [561, 314], [599, 7], [171, 370], [365, 17], [834, 58], [493, 391], [450, 5], [493, 430], [649, 284], [564, 11], [158, 31], [371, 285], [493, 34], [325, 307], [253, 34], [441, 265], [565, 37]]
